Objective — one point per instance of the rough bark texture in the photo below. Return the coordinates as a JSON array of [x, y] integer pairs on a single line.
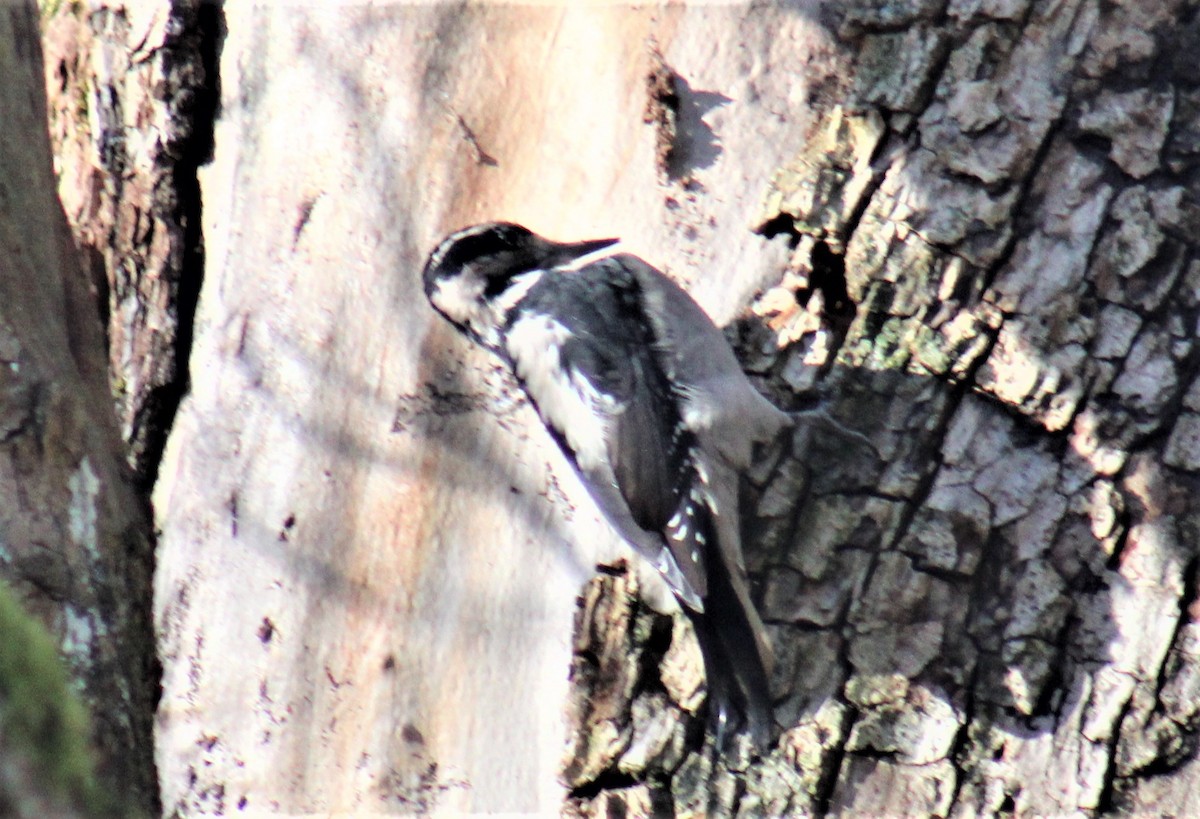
[[990, 607], [978, 555], [132, 91], [74, 536]]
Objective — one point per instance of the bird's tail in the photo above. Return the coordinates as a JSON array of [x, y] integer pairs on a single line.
[[733, 647]]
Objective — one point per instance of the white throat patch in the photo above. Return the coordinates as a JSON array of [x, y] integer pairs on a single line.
[[458, 298]]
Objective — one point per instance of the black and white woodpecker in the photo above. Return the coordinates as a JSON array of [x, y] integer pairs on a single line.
[[644, 396]]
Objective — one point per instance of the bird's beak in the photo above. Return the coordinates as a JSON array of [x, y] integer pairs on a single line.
[[577, 250]]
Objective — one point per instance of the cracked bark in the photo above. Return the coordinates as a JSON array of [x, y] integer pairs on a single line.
[[75, 538], [993, 608], [132, 93]]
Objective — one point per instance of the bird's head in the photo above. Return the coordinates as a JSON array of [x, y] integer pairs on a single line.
[[477, 274]]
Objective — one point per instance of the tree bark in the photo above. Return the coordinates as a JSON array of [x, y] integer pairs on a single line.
[[75, 539], [991, 606], [132, 88], [981, 574], [965, 230]]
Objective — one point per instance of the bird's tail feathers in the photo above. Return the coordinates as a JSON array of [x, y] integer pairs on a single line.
[[728, 630]]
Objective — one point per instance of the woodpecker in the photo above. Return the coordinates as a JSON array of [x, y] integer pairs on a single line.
[[645, 398]]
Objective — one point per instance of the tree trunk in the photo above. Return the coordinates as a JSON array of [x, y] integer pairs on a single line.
[[132, 90], [990, 606], [1003, 591], [75, 538], [354, 504], [965, 230]]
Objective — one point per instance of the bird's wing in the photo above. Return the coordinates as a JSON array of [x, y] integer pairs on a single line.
[[607, 400], [651, 458], [607, 392], [728, 416], [721, 407]]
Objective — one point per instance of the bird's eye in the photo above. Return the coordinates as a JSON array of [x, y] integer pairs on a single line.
[[496, 285]]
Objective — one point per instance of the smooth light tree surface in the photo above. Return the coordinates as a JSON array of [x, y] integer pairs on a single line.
[[371, 551]]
